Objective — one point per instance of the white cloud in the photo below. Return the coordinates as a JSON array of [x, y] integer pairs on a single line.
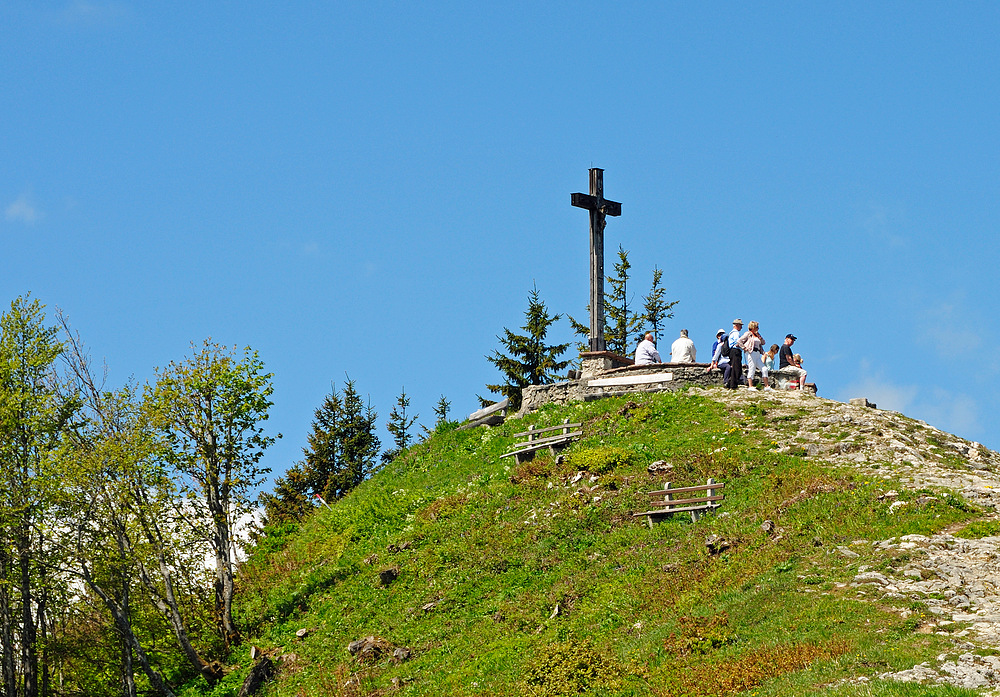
[[881, 221], [84, 12], [22, 210], [949, 411], [948, 326], [883, 393]]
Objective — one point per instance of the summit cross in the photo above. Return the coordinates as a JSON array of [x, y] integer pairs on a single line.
[[599, 208]]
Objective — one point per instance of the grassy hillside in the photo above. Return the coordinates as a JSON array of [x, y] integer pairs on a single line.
[[536, 580]]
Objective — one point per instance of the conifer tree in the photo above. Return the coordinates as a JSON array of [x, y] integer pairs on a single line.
[[622, 322], [655, 307], [399, 424], [529, 360], [441, 410], [359, 444], [341, 453]]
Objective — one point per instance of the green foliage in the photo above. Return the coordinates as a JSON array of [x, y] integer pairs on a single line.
[[978, 529], [622, 322], [400, 423], [503, 568], [208, 413], [655, 307], [600, 459], [575, 667], [441, 410], [36, 411], [342, 452], [529, 360]]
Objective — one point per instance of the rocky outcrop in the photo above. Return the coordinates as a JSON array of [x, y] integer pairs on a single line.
[[958, 580]]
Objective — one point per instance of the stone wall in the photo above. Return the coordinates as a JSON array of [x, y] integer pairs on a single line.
[[620, 381]]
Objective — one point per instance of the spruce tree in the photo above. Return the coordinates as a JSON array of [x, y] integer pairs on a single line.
[[655, 307], [399, 424], [622, 323], [341, 452], [441, 410], [529, 360]]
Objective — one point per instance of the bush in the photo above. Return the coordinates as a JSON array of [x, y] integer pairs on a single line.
[[574, 667], [600, 460]]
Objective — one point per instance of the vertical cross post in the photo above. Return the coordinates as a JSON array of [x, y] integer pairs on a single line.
[[599, 208]]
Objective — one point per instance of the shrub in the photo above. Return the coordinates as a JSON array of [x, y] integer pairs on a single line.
[[574, 667], [599, 460]]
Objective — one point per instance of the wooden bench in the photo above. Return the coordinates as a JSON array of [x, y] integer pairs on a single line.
[[696, 505], [525, 450]]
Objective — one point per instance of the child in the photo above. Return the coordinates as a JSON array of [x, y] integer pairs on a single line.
[[769, 358]]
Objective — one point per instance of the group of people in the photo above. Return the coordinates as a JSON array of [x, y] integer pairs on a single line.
[[729, 353]]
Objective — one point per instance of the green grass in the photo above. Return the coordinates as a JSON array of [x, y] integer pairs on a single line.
[[514, 581]]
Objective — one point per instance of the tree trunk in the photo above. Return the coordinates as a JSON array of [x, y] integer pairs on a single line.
[[167, 602], [124, 626], [29, 633], [128, 672], [7, 624]]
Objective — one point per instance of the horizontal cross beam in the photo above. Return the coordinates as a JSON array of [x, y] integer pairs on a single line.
[[592, 203]]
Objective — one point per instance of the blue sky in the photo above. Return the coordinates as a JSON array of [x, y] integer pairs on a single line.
[[371, 189]]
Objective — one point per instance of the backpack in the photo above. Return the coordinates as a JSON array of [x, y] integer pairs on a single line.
[[725, 347]]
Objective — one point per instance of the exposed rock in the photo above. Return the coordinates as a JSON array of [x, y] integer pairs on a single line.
[[262, 671], [387, 576], [370, 649], [660, 467], [716, 544]]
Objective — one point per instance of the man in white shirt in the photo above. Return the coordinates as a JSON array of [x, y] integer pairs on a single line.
[[682, 350], [735, 355], [646, 353]]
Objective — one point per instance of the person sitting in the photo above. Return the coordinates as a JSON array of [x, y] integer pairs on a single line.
[[787, 362], [720, 355], [753, 343], [683, 350], [769, 358], [646, 353]]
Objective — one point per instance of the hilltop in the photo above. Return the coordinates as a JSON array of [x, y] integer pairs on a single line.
[[854, 545]]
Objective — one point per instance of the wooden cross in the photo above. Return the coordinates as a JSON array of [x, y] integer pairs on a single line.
[[598, 208]]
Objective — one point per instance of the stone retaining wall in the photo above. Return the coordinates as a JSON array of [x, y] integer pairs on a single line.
[[680, 375]]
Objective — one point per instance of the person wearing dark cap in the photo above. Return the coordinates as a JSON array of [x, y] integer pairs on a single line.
[[787, 362], [735, 356]]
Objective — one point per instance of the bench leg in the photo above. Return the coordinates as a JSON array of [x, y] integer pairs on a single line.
[[655, 518]]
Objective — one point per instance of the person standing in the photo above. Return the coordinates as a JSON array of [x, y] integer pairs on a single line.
[[753, 343], [683, 350], [735, 355]]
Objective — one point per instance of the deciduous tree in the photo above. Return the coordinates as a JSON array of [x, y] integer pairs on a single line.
[[34, 414], [209, 412]]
